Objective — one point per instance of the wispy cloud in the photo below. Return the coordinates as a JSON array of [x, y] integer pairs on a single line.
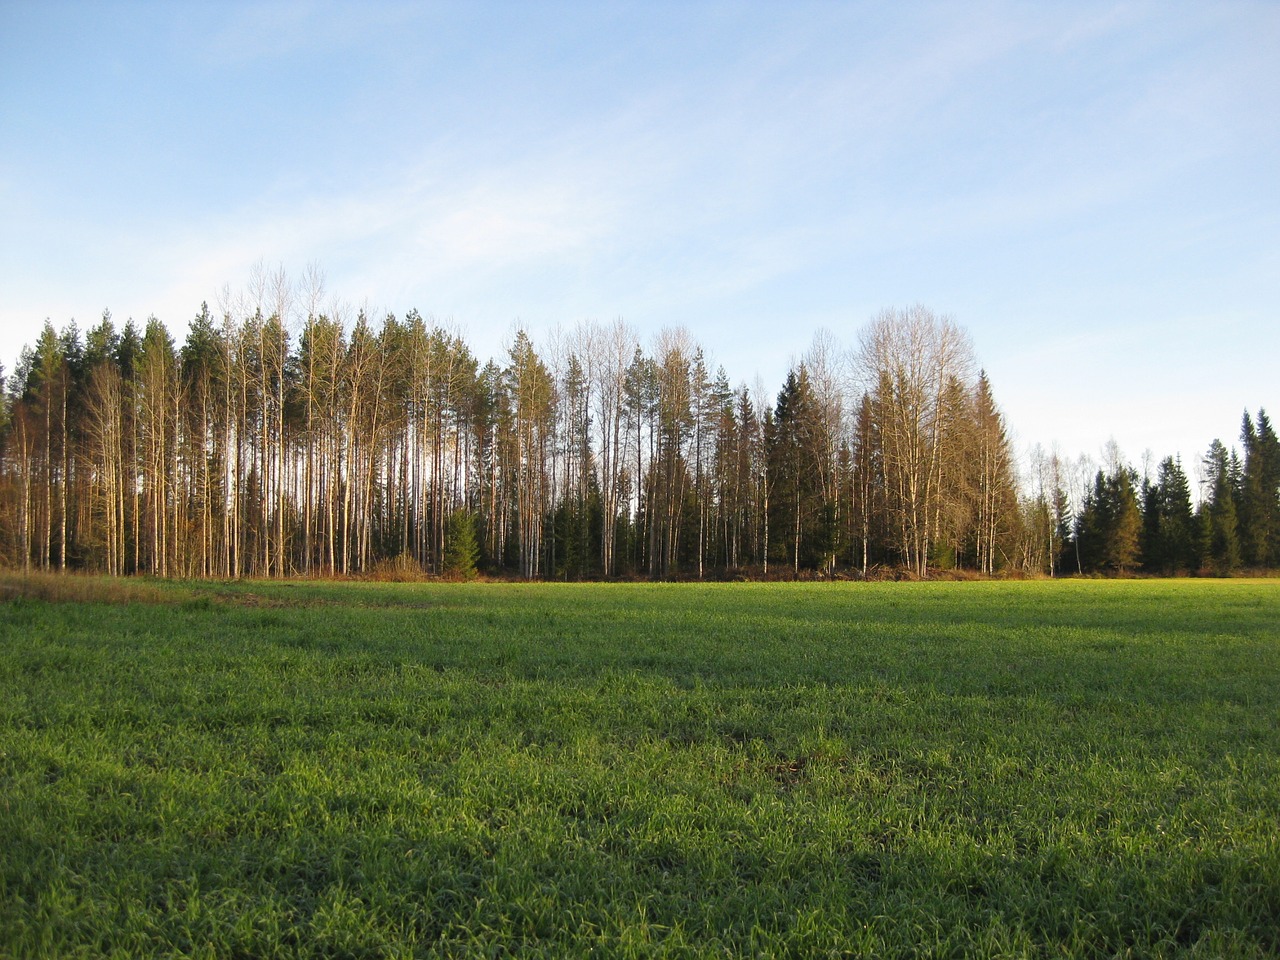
[[755, 173], [237, 33]]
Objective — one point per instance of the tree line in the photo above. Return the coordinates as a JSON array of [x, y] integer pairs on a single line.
[[1128, 523], [286, 438]]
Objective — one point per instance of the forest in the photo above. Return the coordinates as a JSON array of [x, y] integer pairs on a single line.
[[290, 437]]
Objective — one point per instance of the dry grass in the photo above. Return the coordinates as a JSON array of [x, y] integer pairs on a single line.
[[401, 569], [73, 588]]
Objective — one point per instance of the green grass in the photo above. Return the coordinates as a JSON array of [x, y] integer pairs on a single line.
[[362, 770]]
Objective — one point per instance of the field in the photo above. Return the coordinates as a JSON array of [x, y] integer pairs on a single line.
[[363, 770]]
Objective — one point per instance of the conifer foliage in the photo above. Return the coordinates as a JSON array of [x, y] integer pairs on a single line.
[[1169, 541], [1109, 524], [1259, 493], [287, 438]]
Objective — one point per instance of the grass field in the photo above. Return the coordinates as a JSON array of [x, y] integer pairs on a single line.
[[362, 770]]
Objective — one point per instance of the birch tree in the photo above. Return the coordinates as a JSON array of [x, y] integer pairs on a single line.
[[906, 358]]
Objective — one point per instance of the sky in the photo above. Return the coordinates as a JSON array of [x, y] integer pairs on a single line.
[[1092, 190]]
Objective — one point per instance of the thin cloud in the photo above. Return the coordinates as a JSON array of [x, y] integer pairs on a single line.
[[237, 34]]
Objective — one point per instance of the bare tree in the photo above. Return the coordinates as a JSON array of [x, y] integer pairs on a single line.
[[906, 359], [611, 349]]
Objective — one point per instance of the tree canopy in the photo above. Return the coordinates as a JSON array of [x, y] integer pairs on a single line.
[[282, 440]]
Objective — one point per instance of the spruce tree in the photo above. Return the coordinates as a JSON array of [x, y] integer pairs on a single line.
[[1259, 515], [460, 548], [1176, 522], [801, 528], [1150, 548], [1091, 527], [1061, 506], [1221, 543], [1125, 522]]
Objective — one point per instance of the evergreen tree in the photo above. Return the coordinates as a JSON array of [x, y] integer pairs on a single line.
[[1125, 523], [1063, 521], [801, 523], [461, 549], [249, 453], [1169, 526], [1090, 534], [994, 490], [1220, 543], [866, 496], [1149, 549], [1108, 530], [1259, 514]]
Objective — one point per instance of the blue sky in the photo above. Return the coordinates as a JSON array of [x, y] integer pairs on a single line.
[[1092, 190]]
